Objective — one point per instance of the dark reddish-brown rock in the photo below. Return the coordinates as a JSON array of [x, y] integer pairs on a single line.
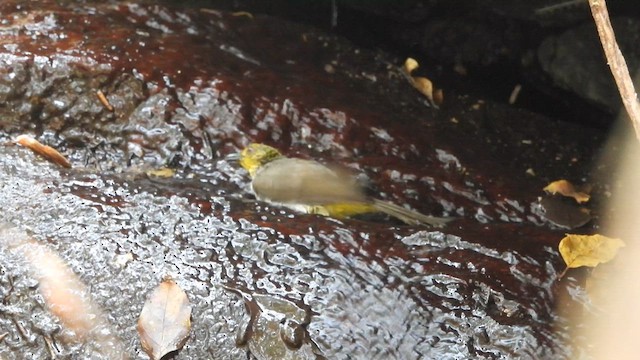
[[188, 87]]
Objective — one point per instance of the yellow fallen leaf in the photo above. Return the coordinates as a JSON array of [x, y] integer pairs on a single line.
[[422, 84], [162, 172], [165, 320], [410, 64], [565, 188], [587, 250], [425, 86]]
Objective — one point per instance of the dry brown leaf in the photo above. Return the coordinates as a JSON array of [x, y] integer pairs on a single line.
[[409, 65], [438, 97], [588, 250], [165, 320], [425, 86], [422, 84], [47, 152], [565, 188]]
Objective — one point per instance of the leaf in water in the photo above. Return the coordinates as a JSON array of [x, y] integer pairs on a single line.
[[66, 297], [588, 250], [162, 172], [165, 320], [565, 188]]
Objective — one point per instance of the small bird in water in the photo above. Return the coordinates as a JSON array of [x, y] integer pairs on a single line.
[[310, 187]]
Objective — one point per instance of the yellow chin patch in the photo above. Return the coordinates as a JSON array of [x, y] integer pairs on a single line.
[[249, 163], [255, 155]]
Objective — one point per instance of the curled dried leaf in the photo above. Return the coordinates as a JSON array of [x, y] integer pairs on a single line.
[[438, 97], [165, 321], [409, 65], [425, 86], [565, 188], [47, 152], [422, 84]]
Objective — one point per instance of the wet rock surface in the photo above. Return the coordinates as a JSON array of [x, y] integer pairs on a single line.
[[487, 47], [576, 52], [190, 86]]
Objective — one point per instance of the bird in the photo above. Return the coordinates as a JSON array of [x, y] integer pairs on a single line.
[[310, 187]]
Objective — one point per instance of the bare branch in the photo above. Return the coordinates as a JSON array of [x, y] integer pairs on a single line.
[[616, 62]]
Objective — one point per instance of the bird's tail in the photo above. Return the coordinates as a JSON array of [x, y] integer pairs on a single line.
[[409, 216]]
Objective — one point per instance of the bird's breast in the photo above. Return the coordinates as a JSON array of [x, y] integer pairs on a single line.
[[299, 181]]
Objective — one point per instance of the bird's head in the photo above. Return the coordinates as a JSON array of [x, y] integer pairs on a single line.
[[255, 155]]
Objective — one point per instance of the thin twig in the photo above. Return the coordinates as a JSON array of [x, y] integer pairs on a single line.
[[558, 6], [50, 347], [103, 99], [616, 62]]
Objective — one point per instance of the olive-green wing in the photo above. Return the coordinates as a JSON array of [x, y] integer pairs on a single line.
[[409, 216]]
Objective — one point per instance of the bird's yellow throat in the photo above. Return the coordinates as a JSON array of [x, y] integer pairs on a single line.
[[256, 155]]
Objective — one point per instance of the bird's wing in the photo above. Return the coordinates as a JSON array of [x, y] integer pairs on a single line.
[[300, 181], [409, 216]]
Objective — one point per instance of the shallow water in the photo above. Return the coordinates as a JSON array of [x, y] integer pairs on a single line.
[[369, 290]]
